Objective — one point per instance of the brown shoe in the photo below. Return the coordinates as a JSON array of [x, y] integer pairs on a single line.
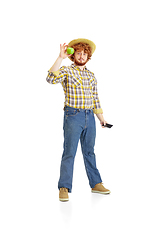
[[99, 188], [63, 194]]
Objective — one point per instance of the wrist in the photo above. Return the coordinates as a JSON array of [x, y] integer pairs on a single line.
[[60, 58]]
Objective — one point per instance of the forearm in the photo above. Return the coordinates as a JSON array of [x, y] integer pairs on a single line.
[[100, 117], [56, 65]]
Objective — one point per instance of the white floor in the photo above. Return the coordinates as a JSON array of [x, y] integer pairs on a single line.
[[30, 208]]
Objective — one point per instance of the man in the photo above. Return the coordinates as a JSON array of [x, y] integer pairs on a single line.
[[81, 103]]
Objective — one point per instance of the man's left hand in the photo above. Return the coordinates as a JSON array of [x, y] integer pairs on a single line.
[[103, 123]]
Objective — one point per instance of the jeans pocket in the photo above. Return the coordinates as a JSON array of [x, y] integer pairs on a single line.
[[69, 112]]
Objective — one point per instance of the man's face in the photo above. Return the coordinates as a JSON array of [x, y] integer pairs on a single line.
[[80, 58]]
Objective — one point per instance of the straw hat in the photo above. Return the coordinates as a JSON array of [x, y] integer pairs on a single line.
[[82, 40]]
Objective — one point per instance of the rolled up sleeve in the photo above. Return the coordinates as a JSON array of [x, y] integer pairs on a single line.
[[57, 76], [96, 102]]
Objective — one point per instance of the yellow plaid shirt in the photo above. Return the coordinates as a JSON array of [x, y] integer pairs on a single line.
[[80, 87]]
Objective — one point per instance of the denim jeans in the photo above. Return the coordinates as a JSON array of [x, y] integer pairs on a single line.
[[78, 124]]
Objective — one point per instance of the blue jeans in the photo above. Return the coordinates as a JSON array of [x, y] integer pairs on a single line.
[[78, 124]]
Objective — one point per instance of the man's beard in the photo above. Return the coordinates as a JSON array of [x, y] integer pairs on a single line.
[[80, 63]]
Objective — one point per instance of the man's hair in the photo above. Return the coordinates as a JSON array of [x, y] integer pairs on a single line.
[[82, 46]]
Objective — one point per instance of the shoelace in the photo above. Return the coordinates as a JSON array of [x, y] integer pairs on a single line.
[[100, 183], [64, 189]]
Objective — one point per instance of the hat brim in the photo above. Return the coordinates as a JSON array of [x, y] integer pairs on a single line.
[[83, 40]]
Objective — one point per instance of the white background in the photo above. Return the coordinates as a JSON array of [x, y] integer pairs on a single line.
[[126, 64]]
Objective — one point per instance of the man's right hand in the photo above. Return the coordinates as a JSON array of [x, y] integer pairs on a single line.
[[63, 51], [63, 54]]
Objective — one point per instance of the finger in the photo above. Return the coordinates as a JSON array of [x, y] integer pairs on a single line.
[[61, 46], [103, 124], [65, 45]]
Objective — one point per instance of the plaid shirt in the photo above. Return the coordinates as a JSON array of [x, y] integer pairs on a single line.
[[80, 87]]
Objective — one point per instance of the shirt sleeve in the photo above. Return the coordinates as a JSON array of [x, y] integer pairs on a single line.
[[96, 102], [57, 76]]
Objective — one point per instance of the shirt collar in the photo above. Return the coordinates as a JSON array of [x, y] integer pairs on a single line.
[[76, 67]]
